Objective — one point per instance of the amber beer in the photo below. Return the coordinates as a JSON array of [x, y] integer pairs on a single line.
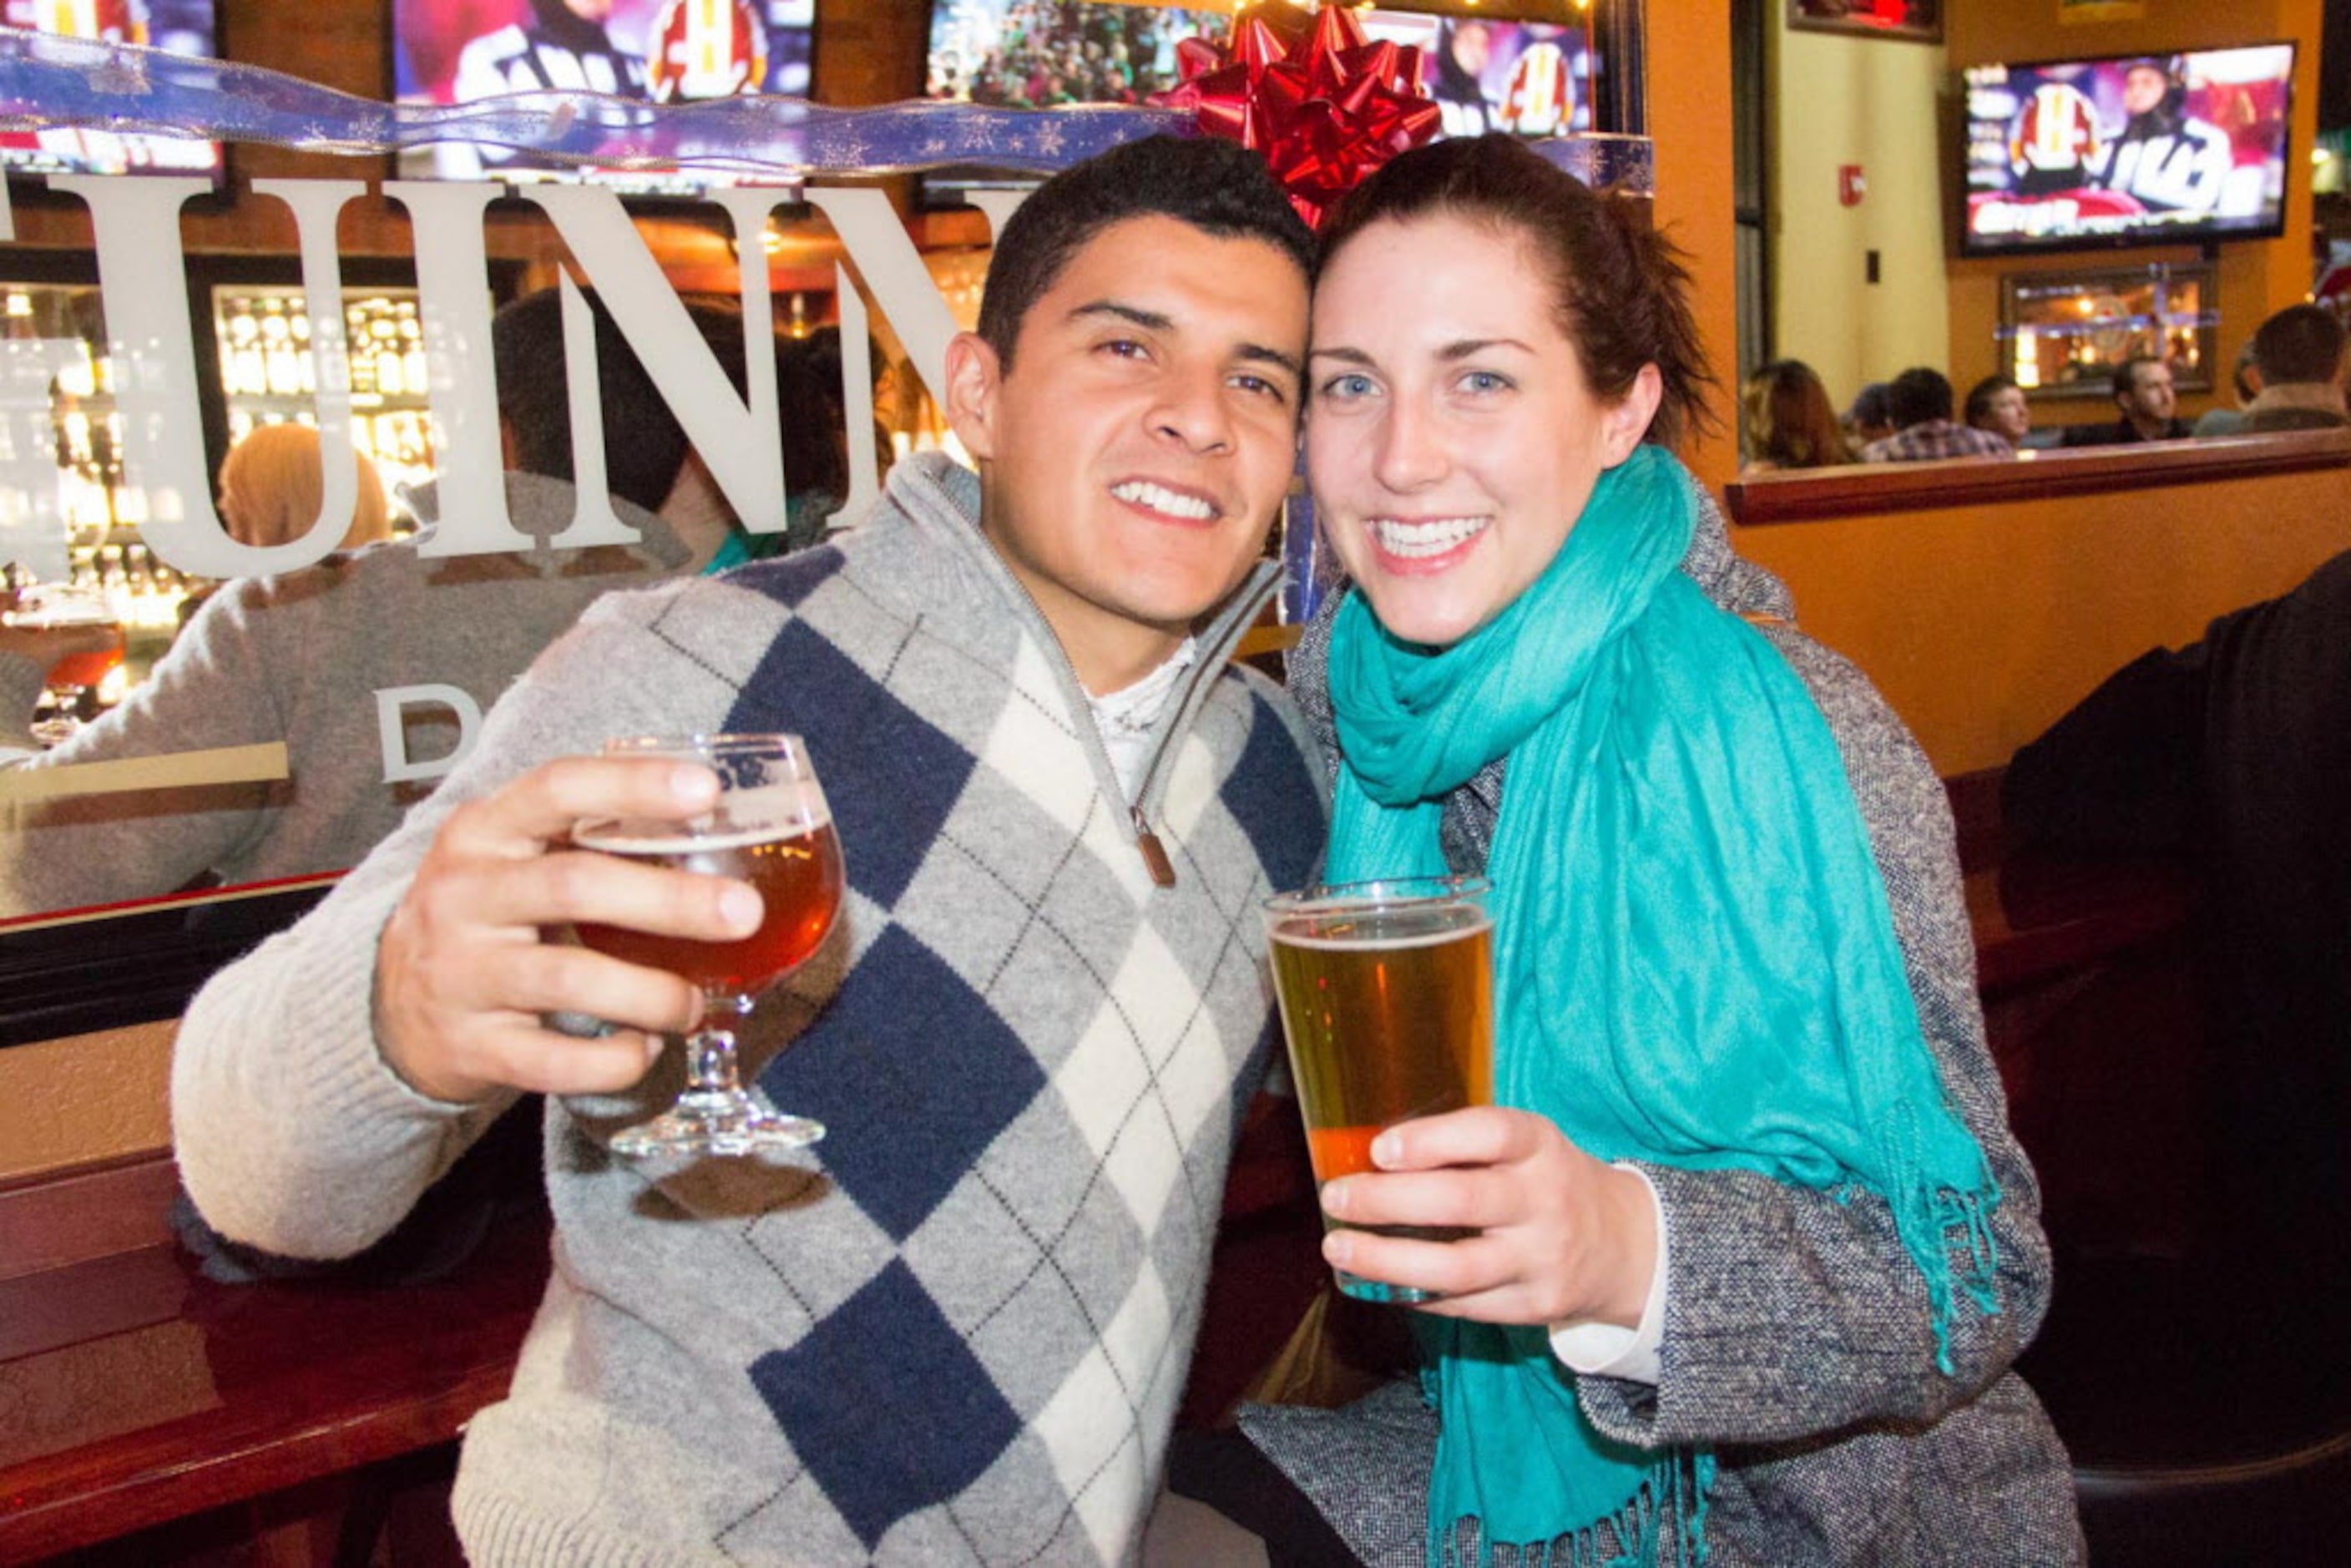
[[794, 864], [1386, 995]]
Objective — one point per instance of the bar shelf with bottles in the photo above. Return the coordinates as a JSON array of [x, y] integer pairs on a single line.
[[266, 376]]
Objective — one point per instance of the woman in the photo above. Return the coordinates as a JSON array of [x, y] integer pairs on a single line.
[[273, 483], [1791, 424], [1756, 1247]]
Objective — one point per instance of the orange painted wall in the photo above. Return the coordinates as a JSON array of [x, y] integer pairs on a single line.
[[2256, 278], [1982, 624], [1689, 118]]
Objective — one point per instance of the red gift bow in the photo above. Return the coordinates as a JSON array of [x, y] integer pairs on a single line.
[[1324, 106]]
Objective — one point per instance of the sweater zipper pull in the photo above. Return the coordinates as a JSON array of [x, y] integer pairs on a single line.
[[1154, 853]]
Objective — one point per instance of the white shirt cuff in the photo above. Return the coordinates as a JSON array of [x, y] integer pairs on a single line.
[[1608, 1350]]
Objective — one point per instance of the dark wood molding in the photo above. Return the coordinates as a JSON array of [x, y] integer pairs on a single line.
[[1876, 490], [55, 1219]]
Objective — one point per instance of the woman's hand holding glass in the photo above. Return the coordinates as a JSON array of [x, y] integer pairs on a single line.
[[1563, 1238]]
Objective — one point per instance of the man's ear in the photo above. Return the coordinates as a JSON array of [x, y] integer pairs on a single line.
[[1624, 422], [974, 375]]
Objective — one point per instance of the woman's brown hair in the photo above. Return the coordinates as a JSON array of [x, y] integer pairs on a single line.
[[1622, 289], [1791, 424]]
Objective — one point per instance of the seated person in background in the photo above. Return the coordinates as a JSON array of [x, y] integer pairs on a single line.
[[1919, 402], [2143, 400], [1998, 404], [1871, 418], [1790, 422], [2236, 751], [272, 485], [2245, 381], [1032, 1032], [2298, 353], [374, 668]]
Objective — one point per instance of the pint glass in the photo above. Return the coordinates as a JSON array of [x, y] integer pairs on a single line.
[[1387, 995]]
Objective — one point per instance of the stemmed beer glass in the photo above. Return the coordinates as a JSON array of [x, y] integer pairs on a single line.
[[771, 828]]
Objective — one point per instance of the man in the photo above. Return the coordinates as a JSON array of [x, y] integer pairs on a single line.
[[2298, 354], [2233, 753], [2245, 383], [373, 668], [2167, 161], [1998, 404], [961, 1339], [2145, 399], [1919, 402], [562, 47]]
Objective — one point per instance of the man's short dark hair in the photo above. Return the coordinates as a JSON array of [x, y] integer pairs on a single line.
[[2127, 373], [645, 446], [1917, 395], [1980, 396], [1217, 187], [2300, 343]]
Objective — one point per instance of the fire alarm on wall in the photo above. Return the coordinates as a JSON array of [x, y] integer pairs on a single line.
[[1852, 184]]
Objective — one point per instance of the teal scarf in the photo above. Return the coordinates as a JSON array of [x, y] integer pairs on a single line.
[[1694, 962]]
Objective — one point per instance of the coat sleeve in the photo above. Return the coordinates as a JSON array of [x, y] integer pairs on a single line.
[[216, 687], [293, 1134], [1792, 1313]]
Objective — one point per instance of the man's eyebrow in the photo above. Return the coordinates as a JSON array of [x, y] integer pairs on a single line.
[[1152, 321], [1258, 354]]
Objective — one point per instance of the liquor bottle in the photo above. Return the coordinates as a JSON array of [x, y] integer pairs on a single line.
[[412, 367], [277, 350]]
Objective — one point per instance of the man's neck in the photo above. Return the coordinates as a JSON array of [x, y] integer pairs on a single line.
[[2149, 427]]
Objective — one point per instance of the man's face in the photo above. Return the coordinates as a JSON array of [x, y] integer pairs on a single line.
[[2009, 415], [1133, 457], [2143, 88], [2151, 398], [1472, 46]]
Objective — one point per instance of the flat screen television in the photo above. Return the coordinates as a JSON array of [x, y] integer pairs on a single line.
[[181, 26], [1533, 79], [1036, 53], [2126, 150], [663, 51]]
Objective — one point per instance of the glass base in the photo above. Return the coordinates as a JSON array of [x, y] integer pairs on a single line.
[[1364, 1289], [727, 1125]]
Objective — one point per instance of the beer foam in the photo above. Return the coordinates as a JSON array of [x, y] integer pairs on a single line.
[[791, 809], [1384, 943]]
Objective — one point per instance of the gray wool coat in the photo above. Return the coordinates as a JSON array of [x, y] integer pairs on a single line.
[[1798, 1342]]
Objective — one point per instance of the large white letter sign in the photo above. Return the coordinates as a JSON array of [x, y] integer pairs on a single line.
[[453, 296], [735, 437], [142, 268]]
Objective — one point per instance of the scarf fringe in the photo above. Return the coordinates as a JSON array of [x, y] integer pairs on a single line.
[[1634, 1537]]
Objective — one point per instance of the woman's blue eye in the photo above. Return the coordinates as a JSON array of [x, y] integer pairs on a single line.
[[1347, 386], [1485, 381]]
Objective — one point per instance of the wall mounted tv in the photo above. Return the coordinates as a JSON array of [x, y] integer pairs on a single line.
[[1533, 79], [181, 26], [665, 51], [2185, 149]]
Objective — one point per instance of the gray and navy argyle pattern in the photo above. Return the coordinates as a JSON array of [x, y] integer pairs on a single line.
[[968, 1338]]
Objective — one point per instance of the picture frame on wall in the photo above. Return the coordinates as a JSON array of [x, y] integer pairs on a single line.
[[2062, 334], [1919, 21]]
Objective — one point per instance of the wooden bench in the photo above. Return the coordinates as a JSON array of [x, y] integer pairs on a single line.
[[136, 1391]]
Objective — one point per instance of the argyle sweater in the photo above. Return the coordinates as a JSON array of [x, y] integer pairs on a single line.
[[957, 1330]]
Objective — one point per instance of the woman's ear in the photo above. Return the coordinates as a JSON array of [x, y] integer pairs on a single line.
[[1625, 422], [973, 373]]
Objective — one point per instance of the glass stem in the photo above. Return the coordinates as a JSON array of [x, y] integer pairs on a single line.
[[710, 1054]]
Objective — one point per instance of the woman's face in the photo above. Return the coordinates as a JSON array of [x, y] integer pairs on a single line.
[[1451, 437]]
